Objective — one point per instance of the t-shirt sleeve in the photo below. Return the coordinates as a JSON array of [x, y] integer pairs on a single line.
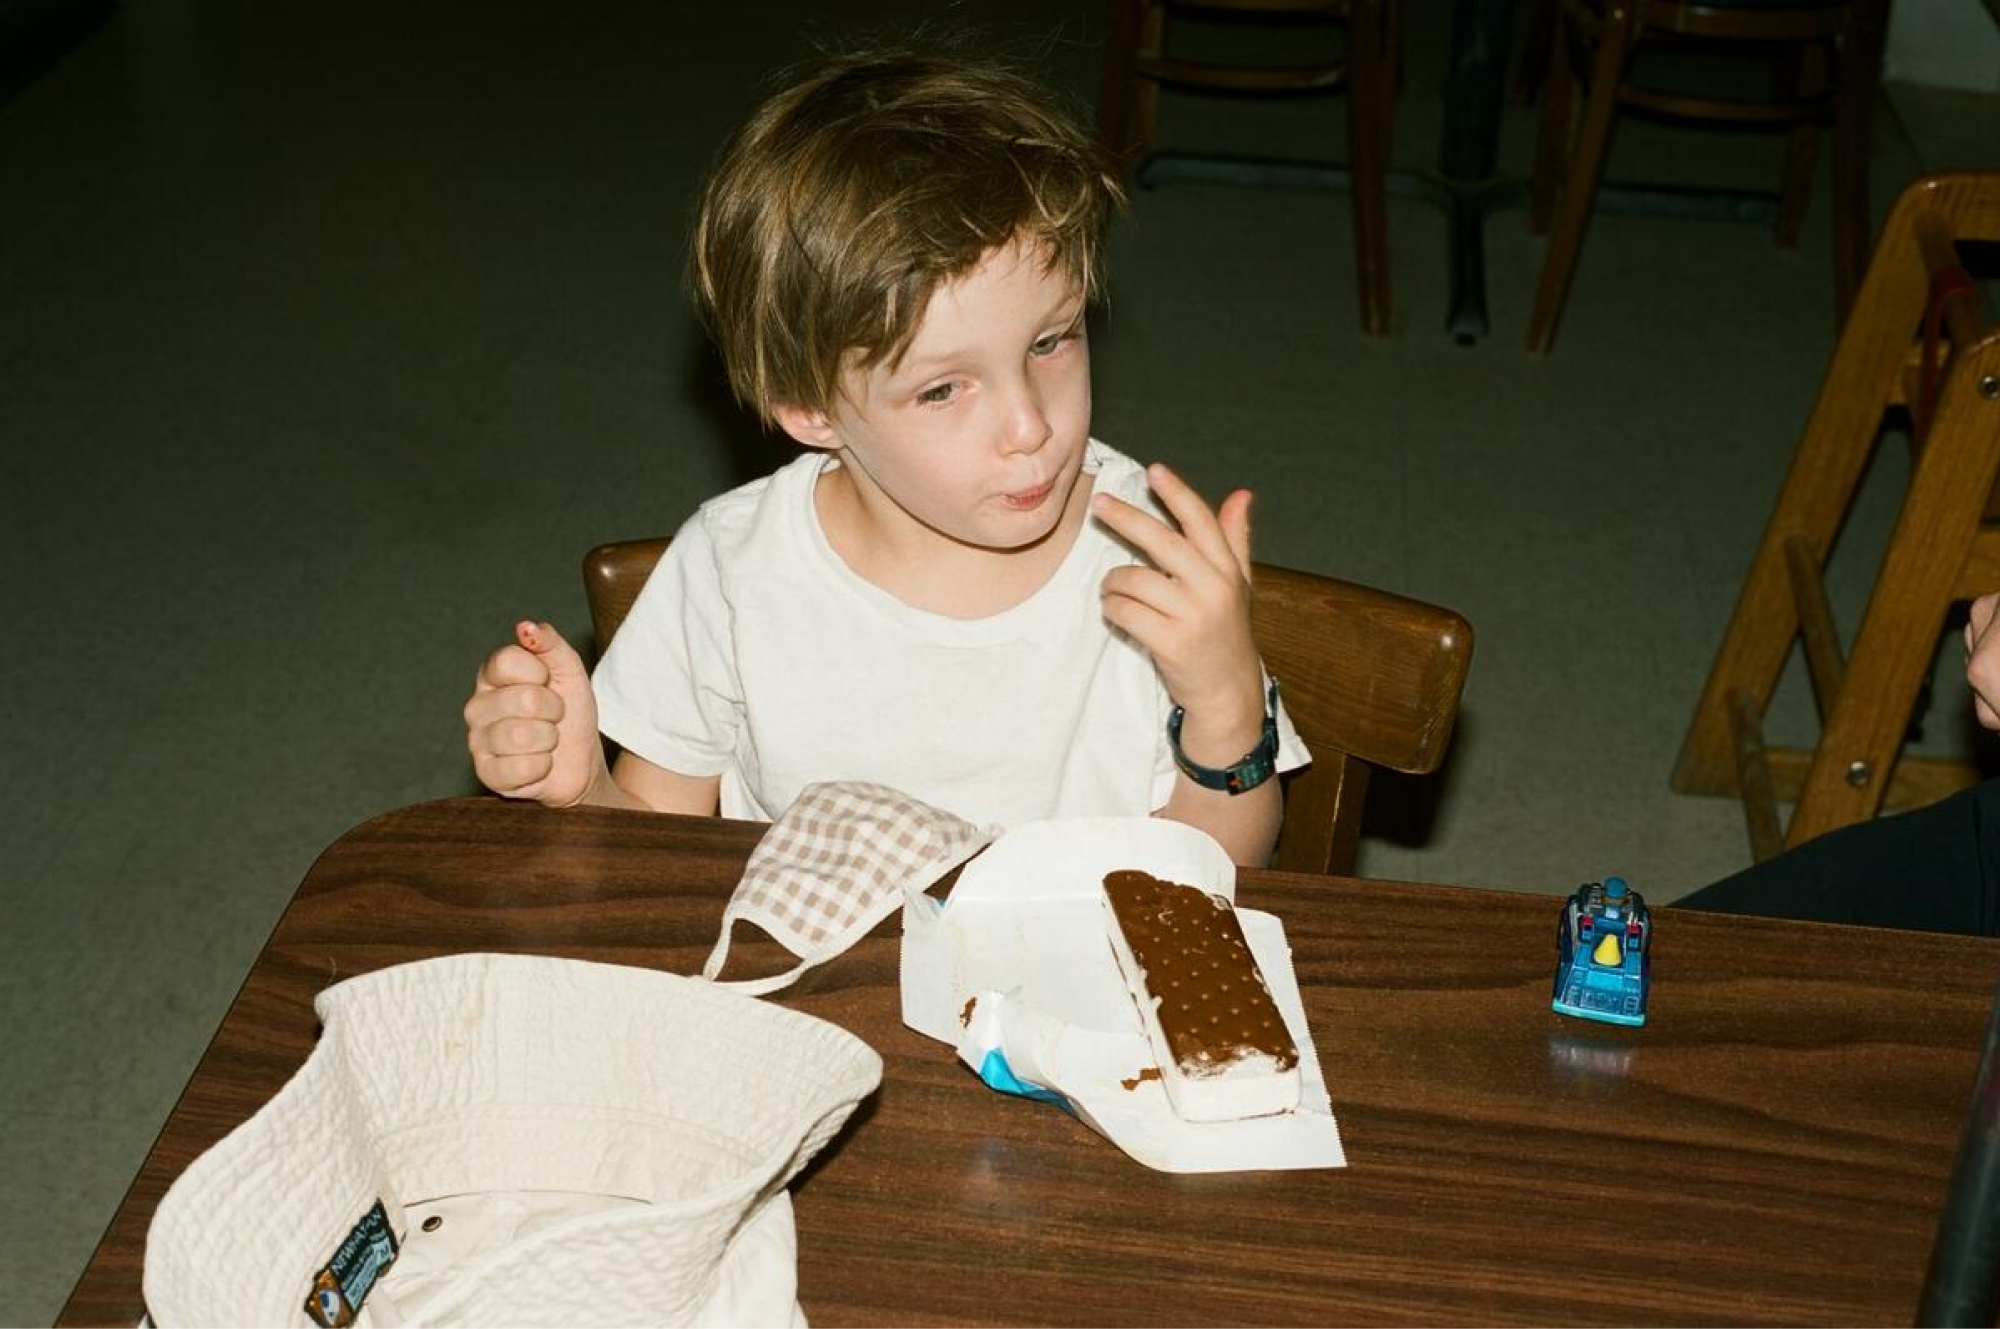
[[1292, 751], [667, 688]]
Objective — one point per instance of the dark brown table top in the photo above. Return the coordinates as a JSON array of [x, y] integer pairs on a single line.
[[1771, 1147]]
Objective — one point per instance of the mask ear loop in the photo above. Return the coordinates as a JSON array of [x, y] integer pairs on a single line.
[[891, 901], [830, 948], [749, 987]]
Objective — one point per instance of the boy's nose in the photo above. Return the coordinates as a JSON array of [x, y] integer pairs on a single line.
[[1028, 425]]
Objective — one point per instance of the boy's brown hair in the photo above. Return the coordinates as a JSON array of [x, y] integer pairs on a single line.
[[849, 197]]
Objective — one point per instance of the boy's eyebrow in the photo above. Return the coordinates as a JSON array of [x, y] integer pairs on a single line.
[[909, 363]]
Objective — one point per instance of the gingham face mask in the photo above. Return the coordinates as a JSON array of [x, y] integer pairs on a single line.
[[841, 859]]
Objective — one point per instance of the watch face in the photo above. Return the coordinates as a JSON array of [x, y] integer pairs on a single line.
[[1249, 773]]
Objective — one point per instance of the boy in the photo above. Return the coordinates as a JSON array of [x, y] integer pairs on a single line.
[[955, 591]]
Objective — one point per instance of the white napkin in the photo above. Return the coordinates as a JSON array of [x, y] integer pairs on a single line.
[[1016, 972]]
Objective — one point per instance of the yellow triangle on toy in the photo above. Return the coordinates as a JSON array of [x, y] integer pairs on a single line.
[[1607, 952]]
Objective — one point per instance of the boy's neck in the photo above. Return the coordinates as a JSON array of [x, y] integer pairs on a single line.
[[928, 570]]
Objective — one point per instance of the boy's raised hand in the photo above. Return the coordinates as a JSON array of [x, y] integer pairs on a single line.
[[531, 722], [1191, 608]]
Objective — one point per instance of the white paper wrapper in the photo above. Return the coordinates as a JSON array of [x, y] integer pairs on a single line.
[[1015, 971]]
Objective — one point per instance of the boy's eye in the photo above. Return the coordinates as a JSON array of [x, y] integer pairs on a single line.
[[1050, 344], [937, 394]]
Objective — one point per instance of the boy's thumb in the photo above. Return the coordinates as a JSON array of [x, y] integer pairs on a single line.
[[550, 647]]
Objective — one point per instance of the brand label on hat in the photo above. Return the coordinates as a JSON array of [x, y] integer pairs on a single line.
[[339, 1289]]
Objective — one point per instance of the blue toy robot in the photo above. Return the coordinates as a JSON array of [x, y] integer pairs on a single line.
[[1603, 954]]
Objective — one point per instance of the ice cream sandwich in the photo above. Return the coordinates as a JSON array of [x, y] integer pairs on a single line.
[[1224, 1052]]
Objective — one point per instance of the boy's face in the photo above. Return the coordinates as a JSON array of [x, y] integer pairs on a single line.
[[977, 434]]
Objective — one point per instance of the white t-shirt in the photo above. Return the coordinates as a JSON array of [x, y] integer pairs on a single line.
[[755, 654]]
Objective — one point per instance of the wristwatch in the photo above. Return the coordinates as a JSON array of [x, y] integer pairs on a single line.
[[1255, 767]]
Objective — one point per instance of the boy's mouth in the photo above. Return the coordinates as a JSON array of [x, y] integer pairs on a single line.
[[1029, 499]]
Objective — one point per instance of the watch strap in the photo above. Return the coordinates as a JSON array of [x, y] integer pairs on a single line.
[[1243, 775]]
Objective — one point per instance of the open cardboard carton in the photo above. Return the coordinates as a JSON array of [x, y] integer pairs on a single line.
[[1015, 970]]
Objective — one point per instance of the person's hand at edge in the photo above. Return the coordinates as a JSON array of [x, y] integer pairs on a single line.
[[1982, 658]]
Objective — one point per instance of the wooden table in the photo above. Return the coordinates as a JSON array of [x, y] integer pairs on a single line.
[[1772, 1147]]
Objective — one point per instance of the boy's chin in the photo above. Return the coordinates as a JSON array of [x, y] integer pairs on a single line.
[[1027, 530], [1006, 538]]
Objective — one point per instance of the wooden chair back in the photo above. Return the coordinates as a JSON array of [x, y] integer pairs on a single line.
[[1369, 679]]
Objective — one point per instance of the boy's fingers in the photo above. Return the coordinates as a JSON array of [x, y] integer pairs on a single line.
[[1197, 520], [1143, 585], [1164, 547], [1135, 618], [512, 666], [525, 701], [510, 737], [488, 706], [1234, 518], [1137, 527], [506, 775]]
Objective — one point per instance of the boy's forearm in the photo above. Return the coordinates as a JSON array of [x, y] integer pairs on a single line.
[[636, 783], [606, 792], [1245, 825]]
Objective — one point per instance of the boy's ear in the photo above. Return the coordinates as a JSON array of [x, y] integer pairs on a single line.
[[809, 427]]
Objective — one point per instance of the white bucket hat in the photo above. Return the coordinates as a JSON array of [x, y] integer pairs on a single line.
[[494, 1139]]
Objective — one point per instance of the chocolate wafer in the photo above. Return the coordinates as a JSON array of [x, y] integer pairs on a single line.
[[1224, 1051]]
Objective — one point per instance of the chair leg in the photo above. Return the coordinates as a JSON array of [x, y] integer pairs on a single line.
[[1115, 93], [1544, 29], [1558, 82], [1600, 108], [1807, 75], [1860, 71], [1369, 112], [1392, 45]]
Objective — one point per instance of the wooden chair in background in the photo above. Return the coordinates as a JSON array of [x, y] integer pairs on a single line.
[[1917, 341], [1369, 678], [1138, 62], [1831, 52]]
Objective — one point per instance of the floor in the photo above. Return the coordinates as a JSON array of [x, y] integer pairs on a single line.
[[331, 338]]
